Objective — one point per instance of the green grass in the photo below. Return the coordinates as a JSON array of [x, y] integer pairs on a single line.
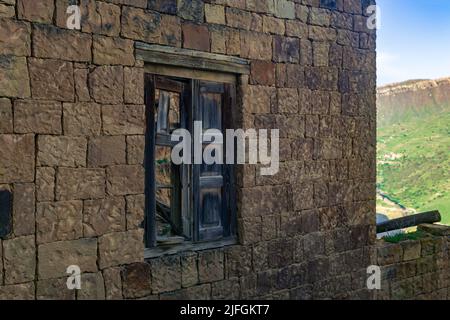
[[405, 237], [420, 179]]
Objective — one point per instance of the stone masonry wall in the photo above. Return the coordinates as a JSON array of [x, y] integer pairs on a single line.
[[417, 270], [71, 148]]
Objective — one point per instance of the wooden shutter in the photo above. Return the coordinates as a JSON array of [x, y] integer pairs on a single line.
[[210, 182]]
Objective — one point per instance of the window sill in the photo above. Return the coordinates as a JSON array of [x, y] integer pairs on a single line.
[[187, 247]]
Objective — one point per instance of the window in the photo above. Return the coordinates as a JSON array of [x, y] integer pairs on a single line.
[[187, 203]]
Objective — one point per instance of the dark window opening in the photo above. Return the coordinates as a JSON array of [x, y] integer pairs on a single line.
[[186, 203]]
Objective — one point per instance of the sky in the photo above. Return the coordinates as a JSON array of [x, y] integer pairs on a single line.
[[413, 40]]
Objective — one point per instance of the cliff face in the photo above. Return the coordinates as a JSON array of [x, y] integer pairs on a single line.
[[399, 101]]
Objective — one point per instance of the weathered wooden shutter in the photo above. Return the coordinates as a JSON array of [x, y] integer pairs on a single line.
[[210, 182]]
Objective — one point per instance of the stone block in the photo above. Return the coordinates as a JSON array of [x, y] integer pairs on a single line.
[[123, 120], [56, 43], [196, 37], [256, 46], [262, 73], [125, 180], [24, 291], [37, 117], [114, 253], [136, 280], [23, 209], [166, 274], [141, 25], [6, 116], [54, 289], [103, 216], [35, 11], [54, 258], [211, 266], [135, 211], [113, 51], [19, 260], [93, 287], [191, 10], [100, 17], [286, 49], [113, 283], [17, 158], [14, 79], [51, 79], [45, 184], [15, 38], [106, 84], [61, 151], [106, 150], [80, 184], [82, 119], [215, 13], [57, 221], [134, 85]]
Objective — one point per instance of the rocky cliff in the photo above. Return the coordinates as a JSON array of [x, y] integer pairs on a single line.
[[400, 101]]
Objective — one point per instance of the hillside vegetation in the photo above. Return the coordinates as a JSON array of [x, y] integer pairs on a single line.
[[414, 148]]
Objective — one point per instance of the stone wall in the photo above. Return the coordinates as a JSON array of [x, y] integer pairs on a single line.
[[415, 269], [71, 139]]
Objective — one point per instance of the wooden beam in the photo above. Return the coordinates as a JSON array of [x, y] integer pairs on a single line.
[[409, 221], [191, 59]]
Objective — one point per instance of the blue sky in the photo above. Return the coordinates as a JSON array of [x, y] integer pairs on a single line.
[[413, 40]]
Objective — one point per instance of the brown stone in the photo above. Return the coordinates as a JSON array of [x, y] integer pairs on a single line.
[[7, 11], [6, 116], [103, 216], [141, 25], [296, 29], [411, 250], [273, 25], [166, 274], [135, 211], [14, 79], [59, 221], [106, 84], [51, 79], [45, 184], [36, 11], [24, 291], [189, 270], [134, 85], [125, 180], [15, 38], [214, 13], [81, 85], [262, 73], [114, 253], [127, 120], [286, 49], [82, 119], [256, 46], [196, 37], [37, 117], [52, 42], [19, 258], [136, 280], [80, 184], [113, 283], [100, 18], [211, 266], [113, 51], [288, 101], [218, 39], [23, 209], [61, 151], [106, 150], [135, 149], [93, 287], [259, 99], [17, 158], [54, 258], [54, 289], [171, 31]]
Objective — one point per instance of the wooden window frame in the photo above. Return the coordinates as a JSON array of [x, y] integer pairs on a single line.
[[191, 180]]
